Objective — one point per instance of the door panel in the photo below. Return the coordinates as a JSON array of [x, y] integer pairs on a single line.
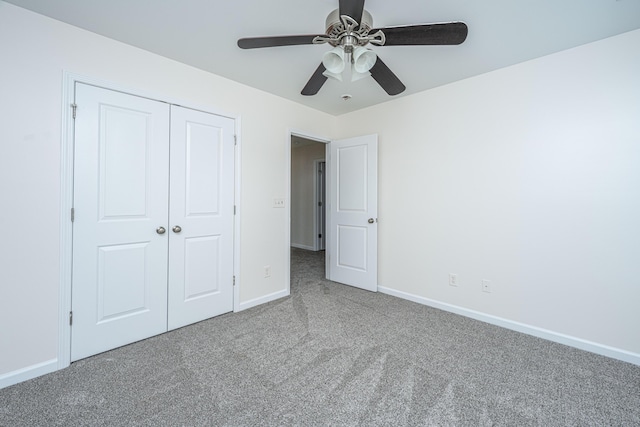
[[122, 281], [120, 198], [202, 256], [351, 180], [353, 228], [203, 144], [124, 147], [202, 168], [352, 247]]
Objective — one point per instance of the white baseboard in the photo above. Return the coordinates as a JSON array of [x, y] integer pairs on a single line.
[[299, 246], [27, 373], [262, 300], [546, 334]]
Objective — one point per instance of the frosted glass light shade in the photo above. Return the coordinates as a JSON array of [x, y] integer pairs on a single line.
[[333, 60], [363, 59]]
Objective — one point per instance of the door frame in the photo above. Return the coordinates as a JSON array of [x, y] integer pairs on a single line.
[[323, 140], [69, 80], [319, 220]]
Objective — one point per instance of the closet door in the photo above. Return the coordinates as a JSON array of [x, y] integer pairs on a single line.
[[201, 216], [121, 209]]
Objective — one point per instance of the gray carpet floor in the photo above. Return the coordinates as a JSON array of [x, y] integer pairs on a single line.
[[333, 355]]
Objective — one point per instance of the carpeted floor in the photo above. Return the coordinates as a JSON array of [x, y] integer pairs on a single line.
[[333, 355]]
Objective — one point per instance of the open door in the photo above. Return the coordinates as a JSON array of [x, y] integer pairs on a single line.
[[353, 212]]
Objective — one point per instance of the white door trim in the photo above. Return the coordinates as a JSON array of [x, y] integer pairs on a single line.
[[305, 135], [317, 198], [66, 196]]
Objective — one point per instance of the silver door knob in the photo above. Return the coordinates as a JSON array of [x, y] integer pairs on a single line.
[[177, 229], [160, 230], [371, 221]]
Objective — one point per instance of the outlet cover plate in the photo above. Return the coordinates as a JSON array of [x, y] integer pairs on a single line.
[[453, 279]]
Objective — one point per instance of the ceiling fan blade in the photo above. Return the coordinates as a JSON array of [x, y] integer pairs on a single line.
[[427, 34], [315, 82], [257, 42], [385, 78], [352, 8]]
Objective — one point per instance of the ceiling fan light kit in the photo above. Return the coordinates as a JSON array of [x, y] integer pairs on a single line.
[[334, 60], [339, 64], [349, 29], [363, 59]]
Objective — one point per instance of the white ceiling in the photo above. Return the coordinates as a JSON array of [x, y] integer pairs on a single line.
[[203, 33]]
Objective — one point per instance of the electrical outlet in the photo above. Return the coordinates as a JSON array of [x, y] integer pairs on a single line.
[[278, 202], [453, 279], [486, 286], [267, 271]]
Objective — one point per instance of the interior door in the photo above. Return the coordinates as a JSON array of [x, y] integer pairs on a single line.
[[201, 216], [121, 212], [353, 224]]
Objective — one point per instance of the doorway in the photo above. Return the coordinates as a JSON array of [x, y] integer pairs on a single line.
[[306, 189], [308, 193], [348, 175]]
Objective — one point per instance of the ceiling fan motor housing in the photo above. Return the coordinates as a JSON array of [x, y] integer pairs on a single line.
[[335, 27]]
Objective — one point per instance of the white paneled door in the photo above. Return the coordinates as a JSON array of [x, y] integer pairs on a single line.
[[201, 216], [147, 244], [121, 176], [353, 226]]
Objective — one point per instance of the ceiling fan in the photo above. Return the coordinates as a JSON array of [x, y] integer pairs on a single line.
[[349, 29]]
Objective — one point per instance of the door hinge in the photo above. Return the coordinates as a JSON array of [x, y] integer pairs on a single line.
[[319, 236], [73, 214], [234, 209], [74, 107], [319, 203], [70, 318], [234, 280], [235, 139]]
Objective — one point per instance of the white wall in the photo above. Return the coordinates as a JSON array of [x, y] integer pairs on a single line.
[[35, 50], [303, 172], [529, 177]]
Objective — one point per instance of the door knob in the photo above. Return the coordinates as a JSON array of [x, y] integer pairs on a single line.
[[160, 230], [177, 229], [371, 221]]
